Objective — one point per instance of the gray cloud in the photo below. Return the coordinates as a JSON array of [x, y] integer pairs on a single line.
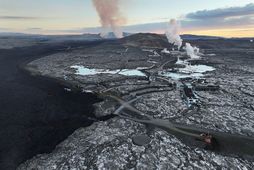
[[206, 19], [222, 12], [218, 23], [34, 29], [18, 18], [3, 29], [149, 27], [220, 18]]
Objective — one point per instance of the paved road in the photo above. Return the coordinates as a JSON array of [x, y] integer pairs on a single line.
[[36, 114]]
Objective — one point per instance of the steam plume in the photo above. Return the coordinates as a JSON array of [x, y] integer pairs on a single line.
[[172, 33], [192, 52], [110, 16]]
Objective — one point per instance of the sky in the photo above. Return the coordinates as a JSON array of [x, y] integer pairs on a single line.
[[229, 18]]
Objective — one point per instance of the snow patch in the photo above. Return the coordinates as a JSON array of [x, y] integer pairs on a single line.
[[211, 55], [180, 62], [67, 89], [84, 71], [196, 69], [165, 51], [177, 76], [190, 71]]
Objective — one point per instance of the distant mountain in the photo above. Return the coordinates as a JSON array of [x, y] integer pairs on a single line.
[[159, 40], [198, 37], [52, 38], [243, 38], [111, 35], [85, 36], [74, 37], [146, 40], [16, 34]]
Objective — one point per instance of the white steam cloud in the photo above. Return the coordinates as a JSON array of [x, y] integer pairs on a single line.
[[173, 32], [192, 52], [110, 16]]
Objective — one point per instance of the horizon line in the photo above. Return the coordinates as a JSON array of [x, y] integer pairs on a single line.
[[84, 33]]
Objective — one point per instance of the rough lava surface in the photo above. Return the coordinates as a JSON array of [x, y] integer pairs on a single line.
[[108, 144]]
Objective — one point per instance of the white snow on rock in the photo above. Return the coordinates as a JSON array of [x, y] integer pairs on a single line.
[[108, 145], [165, 51], [196, 69], [177, 76], [84, 71], [189, 71]]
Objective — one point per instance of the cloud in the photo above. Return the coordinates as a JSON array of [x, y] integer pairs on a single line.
[[3, 29], [18, 18], [222, 13], [36, 29], [232, 17], [220, 18], [149, 27]]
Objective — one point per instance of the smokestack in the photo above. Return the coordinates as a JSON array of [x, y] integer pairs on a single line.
[[172, 33], [110, 16]]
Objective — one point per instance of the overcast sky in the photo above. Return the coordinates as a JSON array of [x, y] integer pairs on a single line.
[[210, 17]]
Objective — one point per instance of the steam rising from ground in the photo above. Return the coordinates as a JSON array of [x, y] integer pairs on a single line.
[[110, 16], [174, 38], [172, 33], [192, 52]]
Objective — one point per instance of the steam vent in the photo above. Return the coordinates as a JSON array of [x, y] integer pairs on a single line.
[[115, 85]]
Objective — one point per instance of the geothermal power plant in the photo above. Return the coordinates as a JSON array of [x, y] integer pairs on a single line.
[[113, 98]]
